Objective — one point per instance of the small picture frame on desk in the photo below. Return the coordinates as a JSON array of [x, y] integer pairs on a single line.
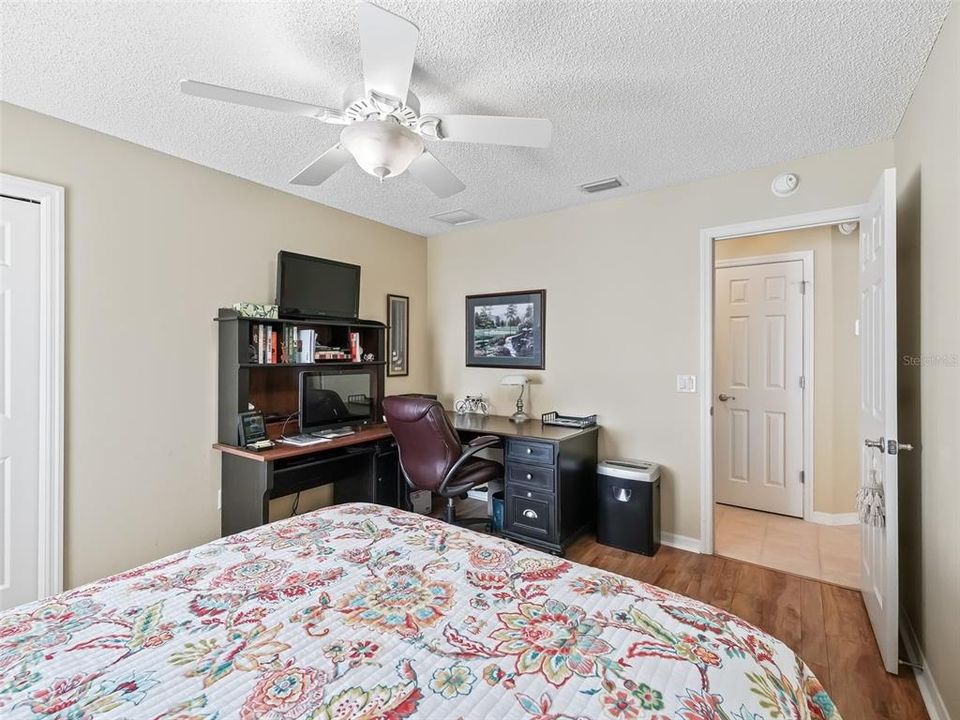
[[398, 335], [506, 330], [252, 429]]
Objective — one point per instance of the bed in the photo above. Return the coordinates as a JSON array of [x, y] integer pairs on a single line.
[[361, 611]]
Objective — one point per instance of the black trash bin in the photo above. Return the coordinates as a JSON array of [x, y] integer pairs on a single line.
[[628, 505]]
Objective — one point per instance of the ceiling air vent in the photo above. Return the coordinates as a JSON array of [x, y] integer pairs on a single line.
[[602, 185], [457, 217]]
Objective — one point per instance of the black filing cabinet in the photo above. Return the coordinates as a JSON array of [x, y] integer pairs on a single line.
[[549, 488]]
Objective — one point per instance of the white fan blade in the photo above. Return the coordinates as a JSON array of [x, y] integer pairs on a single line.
[[267, 102], [323, 167], [388, 43], [432, 173], [493, 130]]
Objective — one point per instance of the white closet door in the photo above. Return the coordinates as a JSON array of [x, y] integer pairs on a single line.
[[19, 401], [758, 413]]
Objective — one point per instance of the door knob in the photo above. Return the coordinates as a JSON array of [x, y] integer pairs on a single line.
[[723, 397], [878, 444]]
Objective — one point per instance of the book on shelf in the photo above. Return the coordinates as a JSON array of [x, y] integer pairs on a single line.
[[308, 338], [292, 345], [330, 355], [254, 344], [288, 345]]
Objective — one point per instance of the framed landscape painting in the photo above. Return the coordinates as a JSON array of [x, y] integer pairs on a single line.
[[506, 330]]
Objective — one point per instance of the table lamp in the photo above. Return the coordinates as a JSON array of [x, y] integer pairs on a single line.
[[520, 381]]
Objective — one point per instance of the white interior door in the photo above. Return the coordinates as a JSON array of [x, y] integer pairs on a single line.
[[19, 401], [878, 411], [758, 455]]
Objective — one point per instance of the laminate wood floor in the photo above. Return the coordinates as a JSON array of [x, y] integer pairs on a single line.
[[824, 624]]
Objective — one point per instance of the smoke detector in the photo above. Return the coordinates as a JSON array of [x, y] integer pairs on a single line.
[[785, 184]]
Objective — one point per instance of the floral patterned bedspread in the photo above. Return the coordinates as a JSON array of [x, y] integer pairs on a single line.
[[360, 611]]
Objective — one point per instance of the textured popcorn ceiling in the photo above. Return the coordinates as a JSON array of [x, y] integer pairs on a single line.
[[657, 93]]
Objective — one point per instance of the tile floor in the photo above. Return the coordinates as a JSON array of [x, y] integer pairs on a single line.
[[822, 552]]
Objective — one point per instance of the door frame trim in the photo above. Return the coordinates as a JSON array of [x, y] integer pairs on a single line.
[[709, 236], [806, 258], [51, 370]]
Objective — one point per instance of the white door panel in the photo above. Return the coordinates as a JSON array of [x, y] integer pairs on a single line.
[[19, 401], [878, 412], [759, 362]]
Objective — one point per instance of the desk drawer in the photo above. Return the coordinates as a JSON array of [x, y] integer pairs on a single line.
[[535, 476], [530, 513], [530, 451], [351, 471]]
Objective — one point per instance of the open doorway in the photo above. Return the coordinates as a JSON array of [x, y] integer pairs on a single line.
[[786, 374], [877, 441]]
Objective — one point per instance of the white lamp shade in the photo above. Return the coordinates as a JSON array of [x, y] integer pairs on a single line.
[[515, 380], [382, 148]]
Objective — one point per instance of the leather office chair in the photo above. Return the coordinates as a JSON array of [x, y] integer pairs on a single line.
[[431, 454]]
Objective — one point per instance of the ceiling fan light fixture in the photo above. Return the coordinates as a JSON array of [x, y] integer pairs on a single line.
[[382, 148]]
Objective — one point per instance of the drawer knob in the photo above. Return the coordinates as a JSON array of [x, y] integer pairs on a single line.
[[529, 451], [529, 476], [531, 514]]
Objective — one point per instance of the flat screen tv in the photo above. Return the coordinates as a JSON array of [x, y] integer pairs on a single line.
[[311, 286]]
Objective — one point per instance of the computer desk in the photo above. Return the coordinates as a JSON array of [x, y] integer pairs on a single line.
[[549, 476]]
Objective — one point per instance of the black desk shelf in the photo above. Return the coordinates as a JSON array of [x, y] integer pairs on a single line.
[[226, 315], [273, 387], [316, 363]]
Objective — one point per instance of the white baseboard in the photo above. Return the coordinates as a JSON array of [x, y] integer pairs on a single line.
[[928, 686], [680, 542], [823, 518]]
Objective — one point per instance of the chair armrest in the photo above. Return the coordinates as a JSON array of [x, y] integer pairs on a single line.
[[475, 446], [484, 441]]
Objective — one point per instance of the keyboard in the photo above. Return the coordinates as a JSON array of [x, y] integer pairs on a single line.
[[335, 433], [304, 440]]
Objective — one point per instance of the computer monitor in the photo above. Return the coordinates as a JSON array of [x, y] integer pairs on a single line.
[[335, 398]]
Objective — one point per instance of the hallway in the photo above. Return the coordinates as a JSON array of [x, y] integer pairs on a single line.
[[820, 552]]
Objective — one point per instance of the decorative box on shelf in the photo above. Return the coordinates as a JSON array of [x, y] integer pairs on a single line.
[[255, 310]]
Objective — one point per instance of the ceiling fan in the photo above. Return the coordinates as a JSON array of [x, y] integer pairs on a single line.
[[383, 128]]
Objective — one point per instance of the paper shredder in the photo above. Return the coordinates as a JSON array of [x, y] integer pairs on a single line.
[[628, 505]]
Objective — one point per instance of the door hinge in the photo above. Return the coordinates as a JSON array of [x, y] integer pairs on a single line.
[[803, 477], [803, 381], [803, 286]]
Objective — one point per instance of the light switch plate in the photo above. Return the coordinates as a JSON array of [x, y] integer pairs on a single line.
[[686, 383]]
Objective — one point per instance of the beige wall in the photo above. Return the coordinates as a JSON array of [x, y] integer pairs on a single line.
[[623, 304], [154, 246], [846, 372], [928, 179], [836, 365]]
